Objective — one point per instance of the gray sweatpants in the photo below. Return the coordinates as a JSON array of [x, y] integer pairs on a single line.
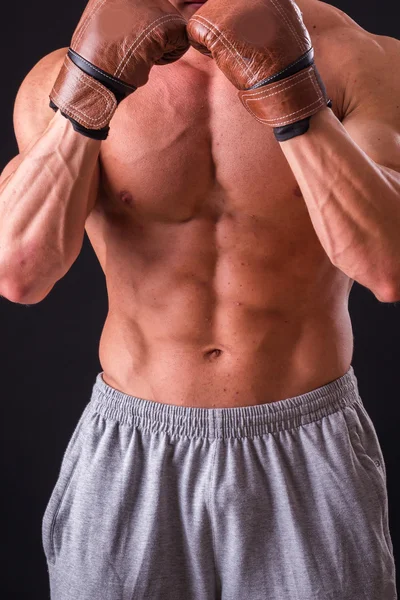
[[280, 501]]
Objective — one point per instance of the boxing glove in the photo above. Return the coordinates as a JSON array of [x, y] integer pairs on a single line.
[[112, 51], [265, 50]]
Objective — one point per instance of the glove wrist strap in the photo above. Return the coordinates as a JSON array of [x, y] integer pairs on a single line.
[[82, 99], [287, 132], [287, 101], [119, 88]]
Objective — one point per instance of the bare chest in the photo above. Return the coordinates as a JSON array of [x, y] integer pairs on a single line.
[[183, 145]]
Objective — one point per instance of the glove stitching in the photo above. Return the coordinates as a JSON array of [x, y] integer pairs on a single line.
[[317, 89], [289, 67], [250, 98], [85, 24], [308, 113], [132, 48], [75, 112], [286, 19], [280, 124], [272, 121], [290, 25], [229, 47], [298, 76], [95, 68]]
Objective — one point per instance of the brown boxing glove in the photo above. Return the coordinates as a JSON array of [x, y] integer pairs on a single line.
[[112, 51], [264, 49]]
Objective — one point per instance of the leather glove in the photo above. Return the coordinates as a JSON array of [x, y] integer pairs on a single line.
[[112, 51], [264, 49]]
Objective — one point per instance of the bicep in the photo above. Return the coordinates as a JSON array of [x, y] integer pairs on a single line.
[[373, 116], [378, 139]]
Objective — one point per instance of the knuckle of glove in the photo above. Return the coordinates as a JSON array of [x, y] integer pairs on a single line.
[[265, 50], [112, 51], [251, 40], [125, 38]]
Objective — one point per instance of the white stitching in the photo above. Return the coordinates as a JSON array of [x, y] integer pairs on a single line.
[[85, 24], [74, 111], [235, 58], [238, 58], [296, 112], [250, 97], [298, 77], [288, 22], [284, 116], [96, 69], [290, 66], [303, 44], [303, 116], [275, 93], [313, 81], [132, 47], [231, 46], [99, 5]]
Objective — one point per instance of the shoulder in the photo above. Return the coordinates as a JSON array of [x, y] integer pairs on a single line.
[[370, 67], [359, 66], [32, 112], [321, 16]]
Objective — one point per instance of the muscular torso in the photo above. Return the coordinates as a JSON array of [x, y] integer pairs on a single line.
[[220, 293]]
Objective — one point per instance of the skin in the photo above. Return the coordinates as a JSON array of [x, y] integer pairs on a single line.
[[233, 300], [223, 289]]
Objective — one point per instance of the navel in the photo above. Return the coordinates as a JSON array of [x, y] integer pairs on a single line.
[[213, 354]]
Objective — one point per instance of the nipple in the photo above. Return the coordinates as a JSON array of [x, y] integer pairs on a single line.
[[126, 198]]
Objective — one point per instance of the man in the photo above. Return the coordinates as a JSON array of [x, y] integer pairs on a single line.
[[225, 452]]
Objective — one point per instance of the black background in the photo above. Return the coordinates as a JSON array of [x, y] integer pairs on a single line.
[[48, 351]]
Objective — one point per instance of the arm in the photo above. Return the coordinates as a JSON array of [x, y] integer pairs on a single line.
[[349, 172], [46, 192], [45, 201]]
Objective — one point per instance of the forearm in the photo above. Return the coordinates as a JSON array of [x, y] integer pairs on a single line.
[[354, 204], [43, 209]]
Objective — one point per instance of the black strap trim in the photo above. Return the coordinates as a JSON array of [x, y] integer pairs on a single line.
[[303, 62], [116, 86], [95, 134], [292, 130], [53, 106]]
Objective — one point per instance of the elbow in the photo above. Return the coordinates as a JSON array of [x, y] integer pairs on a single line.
[[19, 293], [24, 279], [19, 288], [390, 293], [13, 291]]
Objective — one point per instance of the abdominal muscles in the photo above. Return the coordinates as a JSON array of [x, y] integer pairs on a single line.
[[220, 293], [226, 310]]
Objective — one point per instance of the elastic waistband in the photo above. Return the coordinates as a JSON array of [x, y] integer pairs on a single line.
[[232, 422]]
